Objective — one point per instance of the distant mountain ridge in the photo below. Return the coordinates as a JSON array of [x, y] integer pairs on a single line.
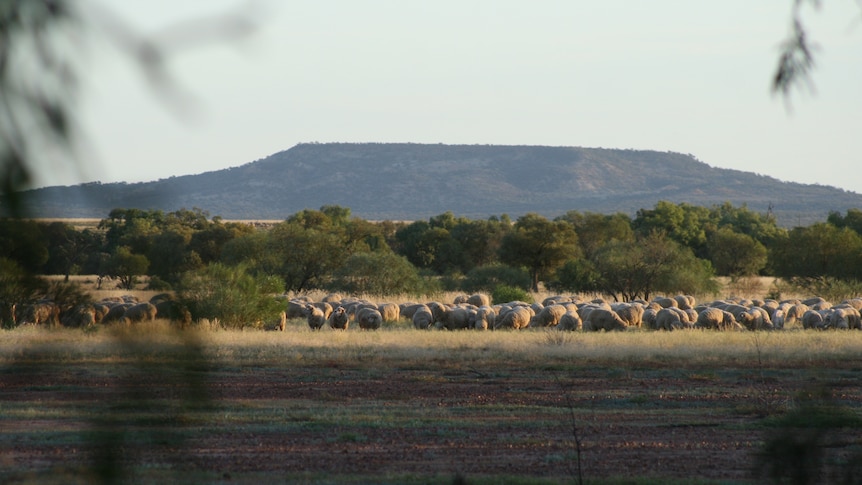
[[406, 181]]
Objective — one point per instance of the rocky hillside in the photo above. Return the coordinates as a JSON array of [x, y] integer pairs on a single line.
[[416, 181]]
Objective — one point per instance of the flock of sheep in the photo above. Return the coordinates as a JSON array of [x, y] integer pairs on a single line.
[[476, 312], [126, 309], [570, 313]]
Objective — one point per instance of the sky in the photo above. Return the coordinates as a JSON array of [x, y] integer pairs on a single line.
[[665, 75]]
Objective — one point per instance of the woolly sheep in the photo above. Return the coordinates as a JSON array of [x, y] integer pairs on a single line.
[[422, 318], [685, 301], [549, 316], [631, 313], [314, 316], [517, 318], [813, 319], [761, 320], [648, 318], [407, 310], [484, 318], [38, 313], [369, 318], [324, 306], [836, 318], [116, 312], [778, 319], [100, 310], [671, 318], [794, 313], [81, 316], [558, 299], [603, 319], [585, 310], [716, 319], [455, 319], [139, 313], [339, 320], [333, 299], [390, 312], [296, 308], [666, 302], [570, 321], [854, 302], [438, 310], [479, 300], [770, 306]]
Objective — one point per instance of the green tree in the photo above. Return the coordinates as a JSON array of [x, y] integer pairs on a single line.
[[762, 227], [337, 214], [310, 219], [17, 285], [684, 223], [418, 244], [640, 268], [479, 242], [579, 275], [449, 244], [170, 254], [231, 294], [69, 249], [852, 219], [378, 273], [126, 267], [251, 249], [446, 220], [306, 257], [734, 254], [362, 235], [817, 252], [133, 228], [209, 242], [24, 242], [195, 219], [486, 278], [539, 245], [594, 230]]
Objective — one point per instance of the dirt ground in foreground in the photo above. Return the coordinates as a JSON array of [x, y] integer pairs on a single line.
[[309, 423]]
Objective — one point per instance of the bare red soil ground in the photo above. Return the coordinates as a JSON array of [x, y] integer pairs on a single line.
[[310, 424]]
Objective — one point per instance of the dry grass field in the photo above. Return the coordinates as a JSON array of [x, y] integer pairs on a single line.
[[151, 404]]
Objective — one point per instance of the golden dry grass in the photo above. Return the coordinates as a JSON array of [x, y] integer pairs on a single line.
[[402, 344]]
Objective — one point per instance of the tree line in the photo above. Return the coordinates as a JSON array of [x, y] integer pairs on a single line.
[[669, 248]]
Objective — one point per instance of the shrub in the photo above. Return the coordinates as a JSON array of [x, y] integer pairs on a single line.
[[17, 285], [576, 275], [504, 293], [487, 278], [451, 282], [231, 294], [830, 288], [378, 273], [67, 295], [158, 284]]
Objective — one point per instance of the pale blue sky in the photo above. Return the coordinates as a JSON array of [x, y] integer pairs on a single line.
[[683, 76]]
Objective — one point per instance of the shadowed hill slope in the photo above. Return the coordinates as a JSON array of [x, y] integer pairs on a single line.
[[415, 181]]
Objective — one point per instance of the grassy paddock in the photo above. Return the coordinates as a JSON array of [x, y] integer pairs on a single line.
[[401, 345], [399, 405]]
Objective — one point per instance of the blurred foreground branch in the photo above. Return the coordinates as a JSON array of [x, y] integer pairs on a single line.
[[41, 44]]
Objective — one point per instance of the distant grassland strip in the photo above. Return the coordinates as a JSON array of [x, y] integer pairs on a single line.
[[401, 346]]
